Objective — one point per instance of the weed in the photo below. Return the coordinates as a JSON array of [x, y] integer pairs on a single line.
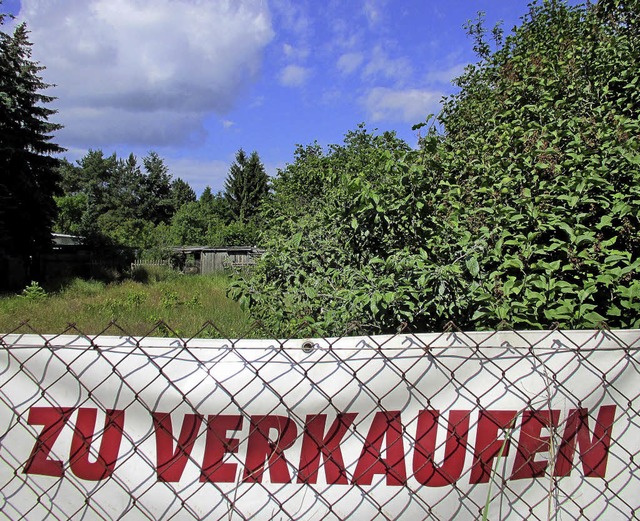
[[194, 302], [135, 299], [494, 474], [114, 307], [170, 299], [34, 292]]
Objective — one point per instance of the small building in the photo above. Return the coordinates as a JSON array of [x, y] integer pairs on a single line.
[[205, 259], [71, 256]]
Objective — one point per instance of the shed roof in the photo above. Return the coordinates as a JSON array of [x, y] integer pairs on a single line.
[[218, 249]]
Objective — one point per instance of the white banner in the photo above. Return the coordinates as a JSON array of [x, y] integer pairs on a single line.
[[409, 426]]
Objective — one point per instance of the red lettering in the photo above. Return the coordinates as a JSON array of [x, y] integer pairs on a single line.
[[261, 448], [314, 443], [488, 446], [109, 445], [594, 451], [53, 419], [425, 469], [385, 426], [532, 442], [213, 467], [171, 463]]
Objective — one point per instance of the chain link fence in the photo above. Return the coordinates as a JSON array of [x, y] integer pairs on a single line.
[[456, 425]]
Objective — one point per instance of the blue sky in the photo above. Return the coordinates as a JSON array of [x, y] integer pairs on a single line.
[[195, 80]]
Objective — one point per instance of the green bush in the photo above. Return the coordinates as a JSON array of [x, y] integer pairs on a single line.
[[525, 209]]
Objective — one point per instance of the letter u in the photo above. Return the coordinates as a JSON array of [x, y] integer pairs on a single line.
[[83, 434]]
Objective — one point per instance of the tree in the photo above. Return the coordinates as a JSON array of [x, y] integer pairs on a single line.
[[194, 223], [93, 177], [206, 197], [71, 209], [126, 197], [246, 186], [156, 197], [339, 256], [107, 198], [181, 194], [216, 204], [28, 173]]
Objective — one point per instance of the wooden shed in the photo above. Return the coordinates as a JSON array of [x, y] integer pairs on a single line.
[[204, 259]]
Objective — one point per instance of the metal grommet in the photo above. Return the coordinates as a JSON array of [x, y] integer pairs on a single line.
[[307, 346]]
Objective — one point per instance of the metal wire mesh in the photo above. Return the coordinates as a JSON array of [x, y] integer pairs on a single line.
[[456, 425]]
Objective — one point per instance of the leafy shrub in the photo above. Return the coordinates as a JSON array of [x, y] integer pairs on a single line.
[[526, 209], [541, 164]]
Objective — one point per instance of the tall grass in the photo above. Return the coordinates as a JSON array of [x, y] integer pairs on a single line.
[[165, 303]]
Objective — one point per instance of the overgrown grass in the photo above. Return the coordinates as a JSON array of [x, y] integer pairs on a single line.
[[165, 304]]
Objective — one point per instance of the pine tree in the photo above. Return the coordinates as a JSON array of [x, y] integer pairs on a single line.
[[181, 194], [206, 197], [157, 202], [245, 186], [96, 174], [28, 172]]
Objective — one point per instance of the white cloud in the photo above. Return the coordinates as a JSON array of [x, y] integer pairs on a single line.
[[295, 53], [349, 62], [382, 65], [292, 16], [332, 95], [345, 35], [294, 75], [141, 70], [200, 173], [445, 75], [372, 10], [408, 105]]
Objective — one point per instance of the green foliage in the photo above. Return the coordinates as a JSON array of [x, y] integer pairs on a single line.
[[236, 233], [194, 223], [137, 233], [71, 209], [181, 194], [346, 264], [245, 187], [156, 200], [115, 201], [539, 156], [34, 292], [525, 210], [28, 175], [201, 224]]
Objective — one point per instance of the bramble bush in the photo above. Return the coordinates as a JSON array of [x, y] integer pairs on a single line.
[[524, 209]]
